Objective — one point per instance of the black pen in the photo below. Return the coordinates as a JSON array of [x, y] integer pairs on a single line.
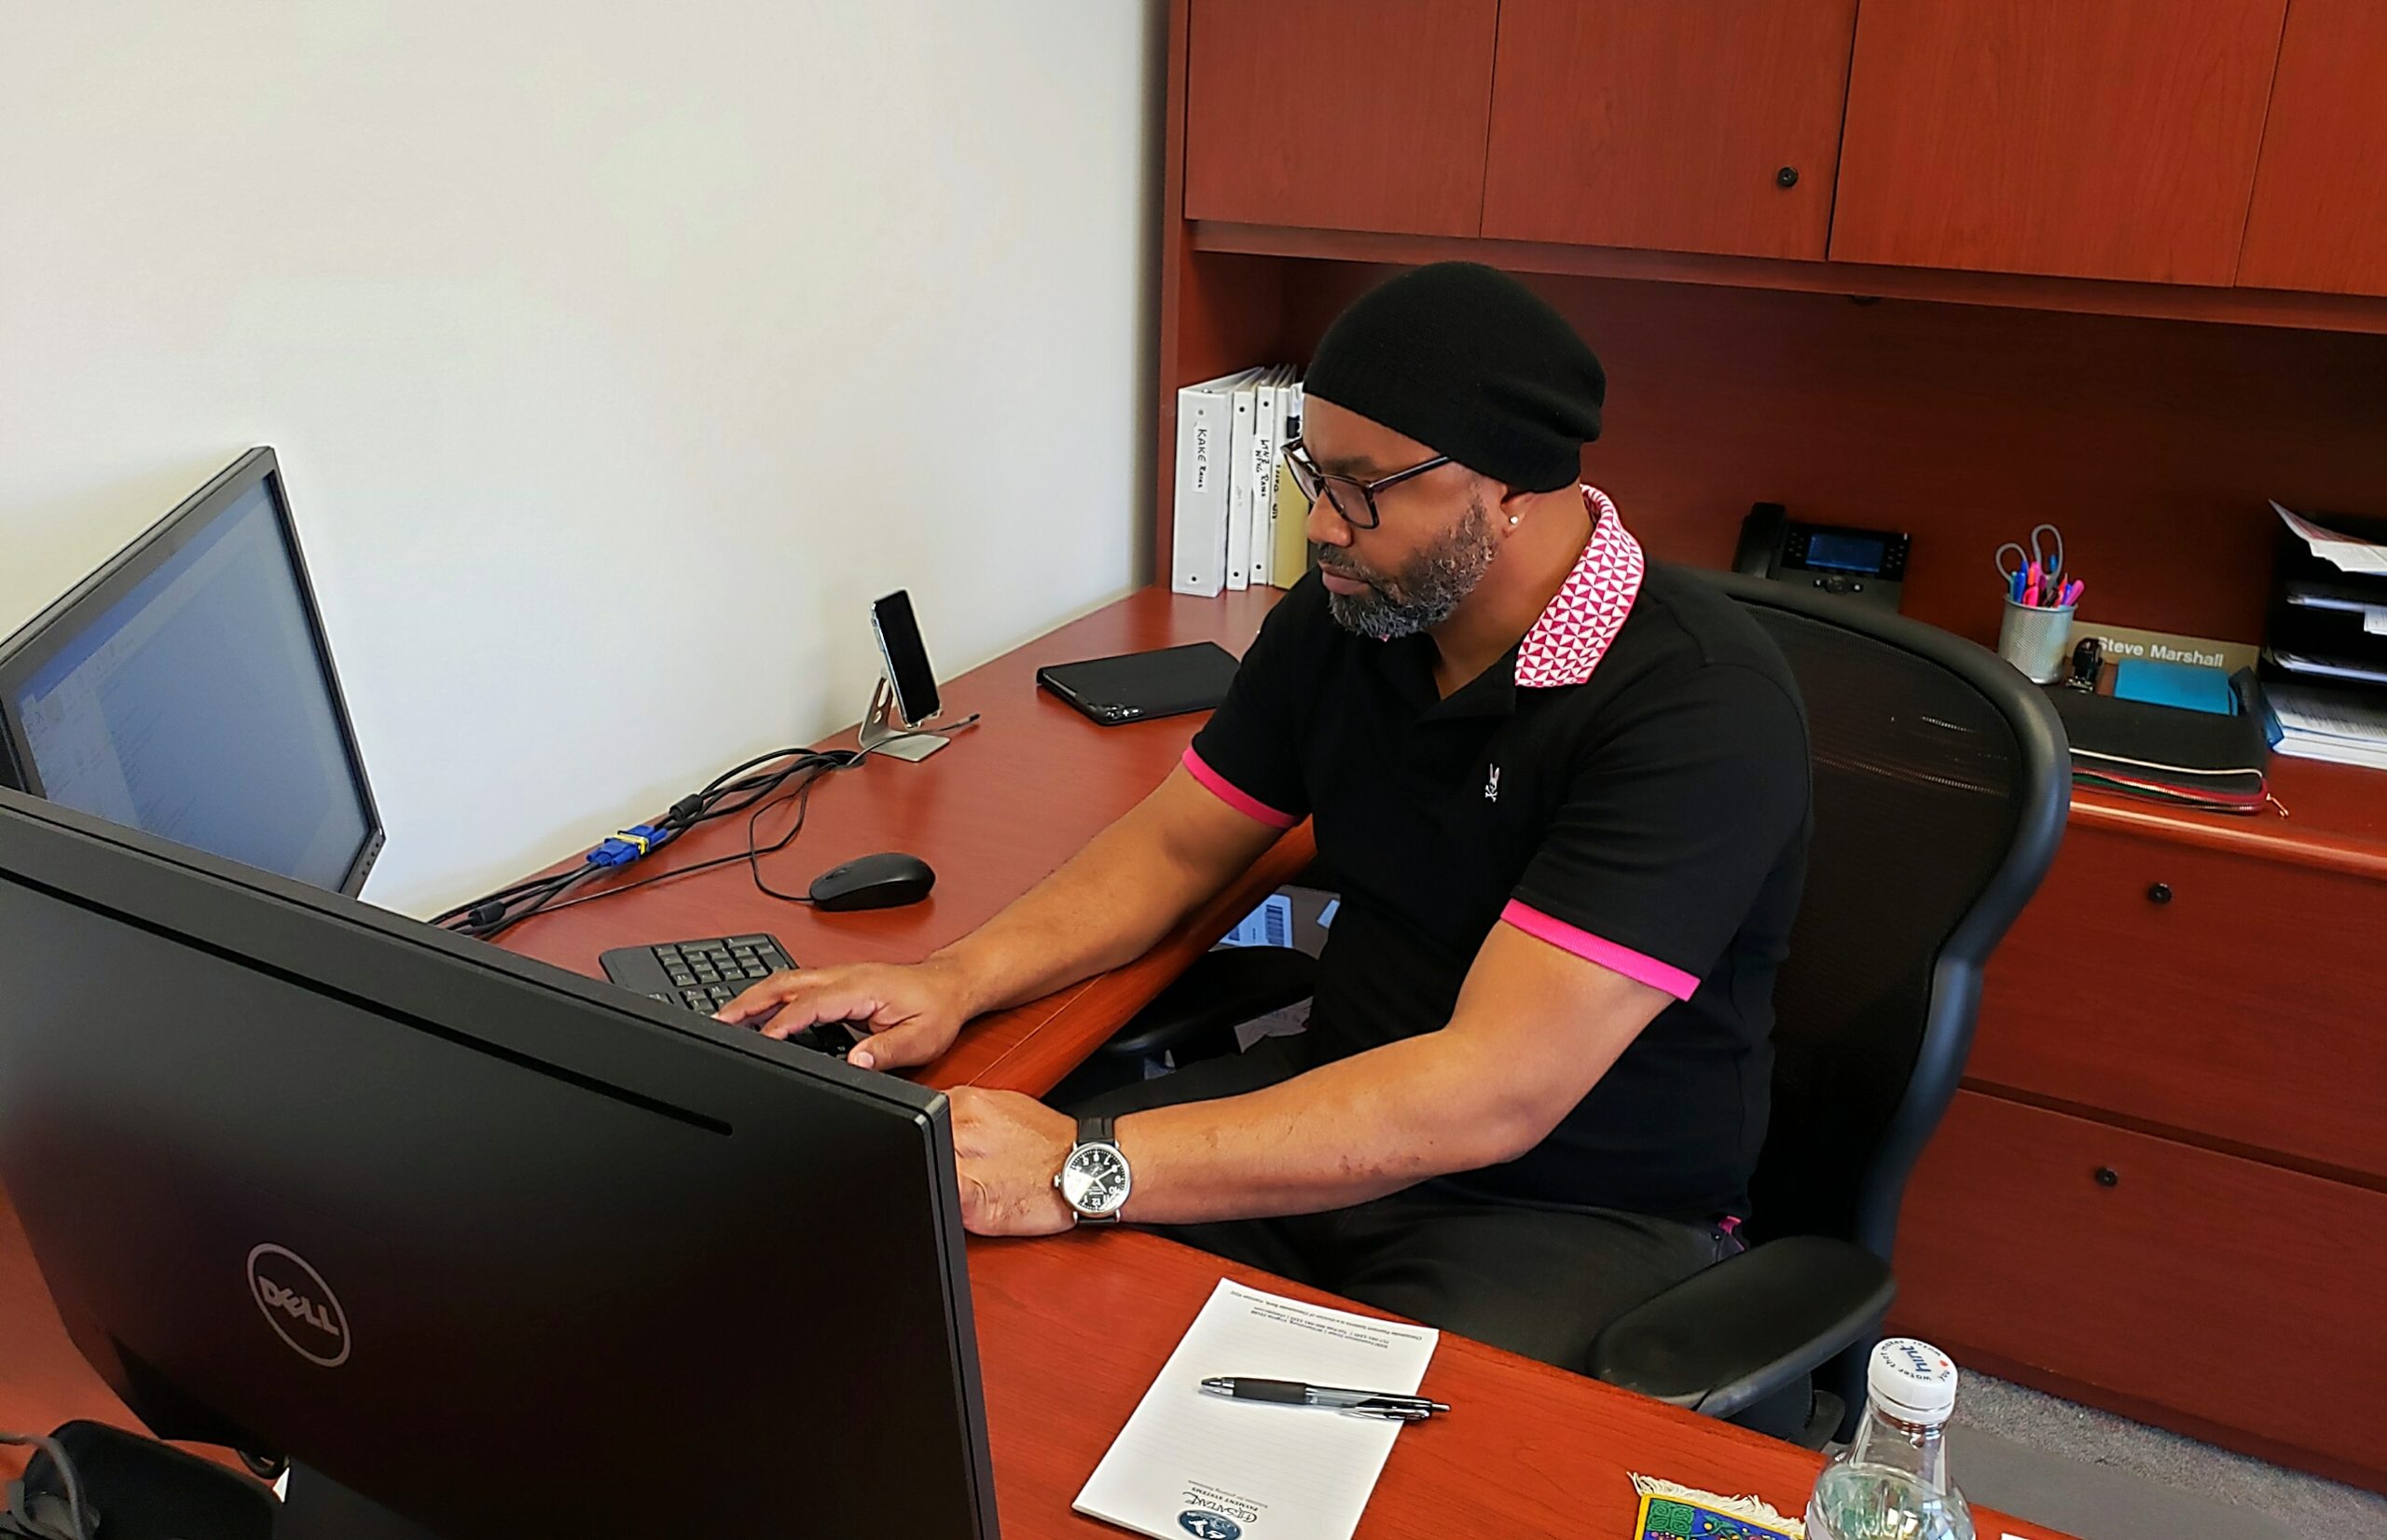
[[1355, 1403]]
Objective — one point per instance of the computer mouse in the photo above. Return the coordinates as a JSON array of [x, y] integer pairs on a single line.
[[881, 881]]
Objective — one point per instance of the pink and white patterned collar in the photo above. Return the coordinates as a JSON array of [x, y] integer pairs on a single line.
[[1573, 634]]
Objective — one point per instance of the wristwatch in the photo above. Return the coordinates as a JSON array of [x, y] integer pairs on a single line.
[[1094, 1179]]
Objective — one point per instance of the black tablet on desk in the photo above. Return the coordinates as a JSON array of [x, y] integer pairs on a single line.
[[1140, 686]]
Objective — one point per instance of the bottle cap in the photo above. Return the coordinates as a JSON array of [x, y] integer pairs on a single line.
[[1911, 1380]]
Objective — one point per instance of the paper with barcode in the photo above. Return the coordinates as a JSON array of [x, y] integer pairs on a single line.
[[1192, 1464]]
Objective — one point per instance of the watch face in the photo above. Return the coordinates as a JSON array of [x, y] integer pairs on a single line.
[[1095, 1180]]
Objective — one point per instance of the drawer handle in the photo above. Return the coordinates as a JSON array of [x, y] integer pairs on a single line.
[[2108, 1177], [2159, 893], [1787, 177]]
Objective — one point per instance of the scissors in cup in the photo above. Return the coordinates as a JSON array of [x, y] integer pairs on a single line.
[[2045, 552]]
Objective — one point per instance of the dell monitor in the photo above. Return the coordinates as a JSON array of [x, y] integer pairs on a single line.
[[484, 1248], [186, 688]]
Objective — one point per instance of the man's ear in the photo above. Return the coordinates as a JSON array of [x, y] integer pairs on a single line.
[[1514, 502]]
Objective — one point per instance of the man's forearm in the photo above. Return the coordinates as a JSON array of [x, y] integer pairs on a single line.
[[1342, 1134], [1534, 1029], [1105, 907]]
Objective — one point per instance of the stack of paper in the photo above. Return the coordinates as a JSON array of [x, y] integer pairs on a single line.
[[2344, 552], [1190, 1464], [2327, 725]]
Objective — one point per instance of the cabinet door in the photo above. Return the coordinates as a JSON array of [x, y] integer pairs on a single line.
[[1341, 114], [2219, 1287], [1706, 127], [2191, 989], [2320, 215], [2086, 138]]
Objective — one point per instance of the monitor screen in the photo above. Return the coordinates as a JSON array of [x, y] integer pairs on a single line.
[[1840, 552], [193, 701]]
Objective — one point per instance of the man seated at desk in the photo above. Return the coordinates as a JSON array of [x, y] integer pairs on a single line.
[[1565, 793]]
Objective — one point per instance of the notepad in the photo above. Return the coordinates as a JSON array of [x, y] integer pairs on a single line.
[[1190, 1464]]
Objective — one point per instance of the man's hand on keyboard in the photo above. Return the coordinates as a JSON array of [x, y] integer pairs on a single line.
[[912, 1013]]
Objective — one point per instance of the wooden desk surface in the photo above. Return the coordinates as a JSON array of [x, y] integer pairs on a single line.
[[994, 813], [1528, 1451]]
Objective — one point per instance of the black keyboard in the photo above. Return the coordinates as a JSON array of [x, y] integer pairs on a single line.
[[706, 975], [702, 975]]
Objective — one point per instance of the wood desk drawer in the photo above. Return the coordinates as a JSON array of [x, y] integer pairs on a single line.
[[2232, 1291], [2235, 999]]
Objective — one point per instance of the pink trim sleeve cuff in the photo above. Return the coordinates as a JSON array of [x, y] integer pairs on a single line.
[[1620, 959], [1234, 796]]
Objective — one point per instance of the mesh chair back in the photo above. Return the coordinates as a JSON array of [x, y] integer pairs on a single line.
[[1942, 781]]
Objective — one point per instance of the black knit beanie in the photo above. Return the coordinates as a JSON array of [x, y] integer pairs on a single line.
[[1471, 364]]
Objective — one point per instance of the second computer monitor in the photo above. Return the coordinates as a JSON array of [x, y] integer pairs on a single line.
[[186, 688]]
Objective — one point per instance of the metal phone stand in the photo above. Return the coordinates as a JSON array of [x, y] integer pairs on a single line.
[[884, 732]]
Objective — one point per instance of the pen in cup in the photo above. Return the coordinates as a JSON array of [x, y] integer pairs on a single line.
[[2035, 589]]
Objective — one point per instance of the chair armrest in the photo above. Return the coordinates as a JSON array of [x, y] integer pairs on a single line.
[[1219, 990], [1727, 1337]]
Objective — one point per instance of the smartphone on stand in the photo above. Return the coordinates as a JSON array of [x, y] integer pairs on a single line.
[[906, 657], [907, 697]]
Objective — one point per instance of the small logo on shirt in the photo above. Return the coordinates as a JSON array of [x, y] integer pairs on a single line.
[[1491, 785]]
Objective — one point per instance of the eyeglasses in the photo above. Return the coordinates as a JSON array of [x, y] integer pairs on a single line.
[[1346, 495]]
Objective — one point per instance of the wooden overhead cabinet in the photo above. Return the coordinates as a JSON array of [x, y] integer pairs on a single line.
[[2320, 215], [1339, 115], [2109, 139], [1705, 127]]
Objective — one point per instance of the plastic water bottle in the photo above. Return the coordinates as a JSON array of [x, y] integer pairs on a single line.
[[1892, 1484]]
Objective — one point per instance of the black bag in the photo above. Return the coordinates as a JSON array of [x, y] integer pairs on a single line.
[[134, 1488]]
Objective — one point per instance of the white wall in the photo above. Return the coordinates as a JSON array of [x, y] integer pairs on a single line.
[[617, 354]]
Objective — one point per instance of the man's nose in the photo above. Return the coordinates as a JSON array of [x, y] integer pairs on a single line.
[[1324, 526]]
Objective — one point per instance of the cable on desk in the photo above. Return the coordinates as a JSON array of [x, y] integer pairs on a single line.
[[802, 795], [493, 914], [745, 788]]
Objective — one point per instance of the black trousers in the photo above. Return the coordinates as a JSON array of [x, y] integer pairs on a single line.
[[1539, 1281]]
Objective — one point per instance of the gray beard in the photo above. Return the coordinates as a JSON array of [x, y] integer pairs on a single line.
[[1429, 588]]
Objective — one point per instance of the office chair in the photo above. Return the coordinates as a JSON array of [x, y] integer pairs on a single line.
[[1194, 1017], [1942, 784]]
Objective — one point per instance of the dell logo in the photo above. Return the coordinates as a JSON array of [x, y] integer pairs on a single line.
[[298, 1305]]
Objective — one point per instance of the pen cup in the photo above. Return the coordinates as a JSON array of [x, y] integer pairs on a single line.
[[2032, 640]]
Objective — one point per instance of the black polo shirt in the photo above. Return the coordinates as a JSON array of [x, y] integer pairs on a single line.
[[1630, 783]]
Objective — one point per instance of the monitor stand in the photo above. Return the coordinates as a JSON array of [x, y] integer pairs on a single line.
[[319, 1508], [883, 733]]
